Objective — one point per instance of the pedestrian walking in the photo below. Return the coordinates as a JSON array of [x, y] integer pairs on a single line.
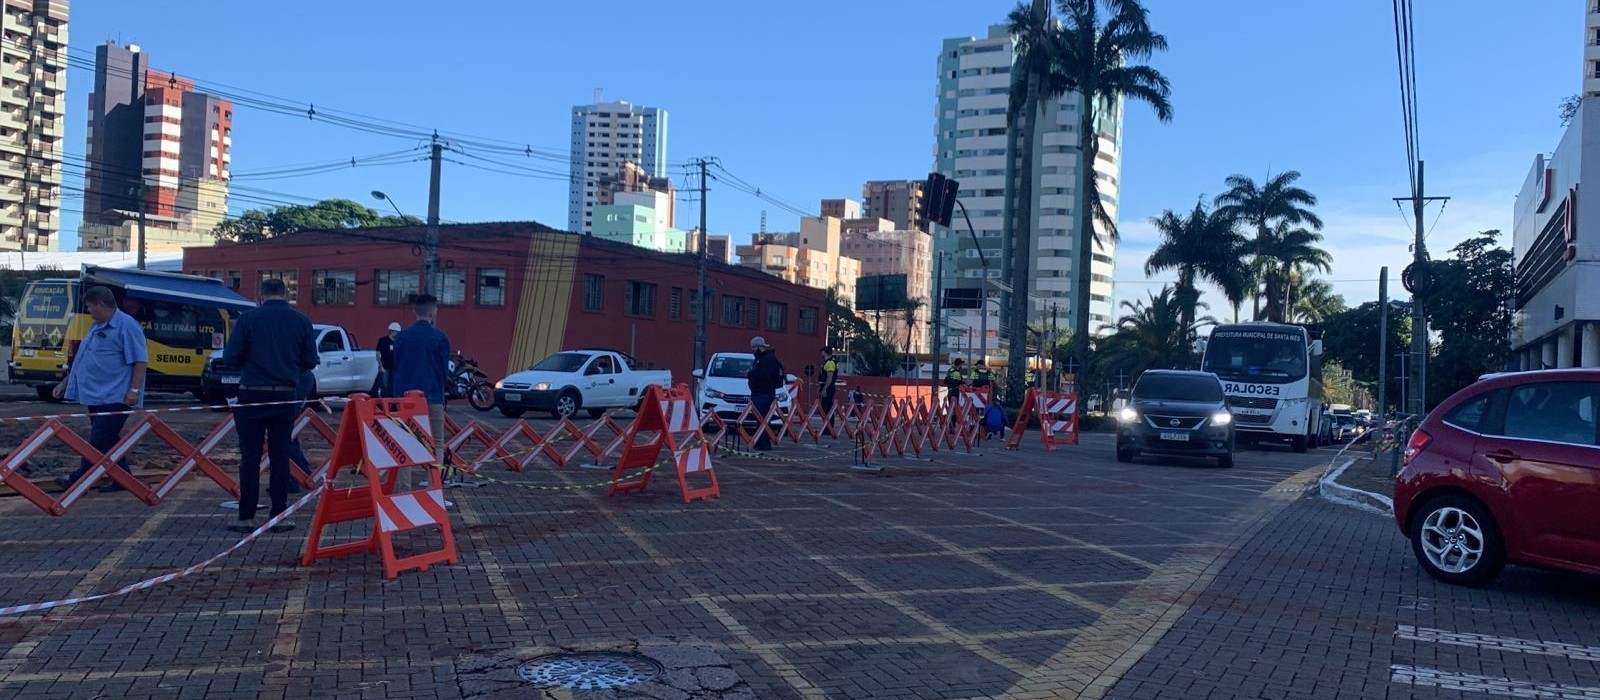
[[272, 346], [827, 387], [765, 378], [386, 359], [422, 363], [107, 376]]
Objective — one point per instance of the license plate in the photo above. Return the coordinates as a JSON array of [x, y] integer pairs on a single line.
[[27, 352], [1175, 437], [513, 397], [230, 380], [1251, 411]]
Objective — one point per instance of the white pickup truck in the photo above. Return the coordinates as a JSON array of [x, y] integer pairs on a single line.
[[573, 380], [345, 368]]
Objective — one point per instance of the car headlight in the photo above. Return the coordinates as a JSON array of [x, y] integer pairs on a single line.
[[542, 386], [1128, 415], [1221, 418], [714, 394], [500, 384]]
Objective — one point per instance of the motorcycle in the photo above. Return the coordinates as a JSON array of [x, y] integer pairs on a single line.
[[470, 383]]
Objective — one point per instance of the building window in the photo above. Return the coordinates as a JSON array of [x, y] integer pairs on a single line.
[[333, 288], [640, 298], [594, 292], [452, 289], [675, 303], [291, 279], [397, 287], [808, 320], [491, 286], [752, 317], [733, 311], [234, 279], [777, 316]]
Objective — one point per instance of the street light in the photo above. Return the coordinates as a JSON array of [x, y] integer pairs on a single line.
[[378, 194]]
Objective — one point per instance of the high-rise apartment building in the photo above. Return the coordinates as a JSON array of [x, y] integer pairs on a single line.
[[882, 248], [606, 135], [813, 256], [973, 142], [899, 201], [33, 106], [155, 145]]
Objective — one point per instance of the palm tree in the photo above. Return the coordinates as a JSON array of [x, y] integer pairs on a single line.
[[1151, 335], [909, 309], [1036, 40], [1099, 61], [1316, 302], [1202, 246], [1278, 201], [1285, 250]]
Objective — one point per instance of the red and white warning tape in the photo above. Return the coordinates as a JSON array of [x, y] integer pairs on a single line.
[[166, 578]]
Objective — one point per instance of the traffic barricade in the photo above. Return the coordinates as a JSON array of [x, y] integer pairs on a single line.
[[667, 420]]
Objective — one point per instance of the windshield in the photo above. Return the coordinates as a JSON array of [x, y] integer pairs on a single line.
[[730, 366], [1177, 387], [46, 307], [1256, 355], [561, 362]]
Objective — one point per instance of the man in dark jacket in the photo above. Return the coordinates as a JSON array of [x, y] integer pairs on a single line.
[[422, 363], [386, 358], [272, 346], [765, 378]]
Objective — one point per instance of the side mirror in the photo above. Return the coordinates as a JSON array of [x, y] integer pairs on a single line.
[[1316, 348], [699, 374]]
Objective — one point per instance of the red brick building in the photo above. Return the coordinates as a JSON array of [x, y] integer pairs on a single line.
[[512, 293]]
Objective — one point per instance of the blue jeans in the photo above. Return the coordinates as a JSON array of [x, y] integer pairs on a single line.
[[272, 424], [104, 432], [763, 401]]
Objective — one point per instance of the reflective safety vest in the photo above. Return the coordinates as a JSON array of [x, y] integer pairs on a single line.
[[954, 377], [982, 377], [1033, 378]]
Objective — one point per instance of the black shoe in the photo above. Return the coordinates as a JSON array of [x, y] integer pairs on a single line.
[[111, 487], [243, 526], [285, 526]]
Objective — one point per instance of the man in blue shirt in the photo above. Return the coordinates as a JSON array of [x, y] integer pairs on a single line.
[[273, 346], [422, 363], [106, 376]]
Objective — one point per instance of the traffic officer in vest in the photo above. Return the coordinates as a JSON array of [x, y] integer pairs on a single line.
[[955, 378], [982, 377], [1032, 378], [827, 386]]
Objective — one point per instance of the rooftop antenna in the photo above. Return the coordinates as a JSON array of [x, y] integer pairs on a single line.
[[599, 95], [763, 221]]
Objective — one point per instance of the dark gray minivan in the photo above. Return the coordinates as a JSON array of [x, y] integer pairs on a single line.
[[1177, 413]]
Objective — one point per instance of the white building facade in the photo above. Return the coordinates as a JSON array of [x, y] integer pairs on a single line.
[[604, 136], [972, 147]]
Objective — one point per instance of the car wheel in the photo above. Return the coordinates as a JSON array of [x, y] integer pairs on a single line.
[[567, 405], [46, 393], [511, 412], [1225, 461], [1457, 541], [1298, 442], [596, 412], [1125, 454]]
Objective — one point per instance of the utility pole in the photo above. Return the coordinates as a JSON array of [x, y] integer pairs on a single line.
[[1053, 340], [938, 335], [142, 245], [983, 288], [701, 254], [1419, 281], [430, 245], [1383, 339]]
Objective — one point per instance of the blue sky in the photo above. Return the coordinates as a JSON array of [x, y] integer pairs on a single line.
[[808, 100]]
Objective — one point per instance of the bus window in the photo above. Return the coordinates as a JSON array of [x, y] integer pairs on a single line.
[[175, 325], [46, 310]]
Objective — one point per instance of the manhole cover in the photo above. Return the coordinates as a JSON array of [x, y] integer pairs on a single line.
[[588, 670]]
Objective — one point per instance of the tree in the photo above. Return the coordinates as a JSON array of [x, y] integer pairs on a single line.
[[843, 323], [1150, 336], [909, 308], [1200, 246], [869, 354], [1569, 108], [1316, 302], [261, 224], [1284, 253], [1101, 62], [1264, 207], [1471, 314], [1036, 52], [1350, 338]]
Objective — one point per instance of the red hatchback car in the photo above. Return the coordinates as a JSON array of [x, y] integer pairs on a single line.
[[1507, 469]]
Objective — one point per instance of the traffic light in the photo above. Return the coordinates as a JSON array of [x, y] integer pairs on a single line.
[[938, 201]]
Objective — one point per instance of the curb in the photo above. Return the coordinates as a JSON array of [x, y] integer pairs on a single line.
[[1334, 492]]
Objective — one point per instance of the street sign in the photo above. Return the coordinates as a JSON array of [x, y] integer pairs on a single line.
[[908, 363], [810, 370]]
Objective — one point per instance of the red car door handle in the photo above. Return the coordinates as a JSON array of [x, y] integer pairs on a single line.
[[1502, 456]]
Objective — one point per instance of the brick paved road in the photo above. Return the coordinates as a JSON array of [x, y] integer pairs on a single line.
[[1024, 574], [1326, 601]]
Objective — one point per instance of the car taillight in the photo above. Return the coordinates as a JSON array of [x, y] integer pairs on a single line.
[[1419, 441]]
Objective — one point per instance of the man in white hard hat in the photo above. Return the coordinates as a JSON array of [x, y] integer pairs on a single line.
[[765, 379], [386, 358]]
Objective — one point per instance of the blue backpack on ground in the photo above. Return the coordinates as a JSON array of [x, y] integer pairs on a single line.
[[994, 419]]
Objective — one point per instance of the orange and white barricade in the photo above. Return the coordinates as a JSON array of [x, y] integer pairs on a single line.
[[667, 419], [377, 439], [1058, 420]]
